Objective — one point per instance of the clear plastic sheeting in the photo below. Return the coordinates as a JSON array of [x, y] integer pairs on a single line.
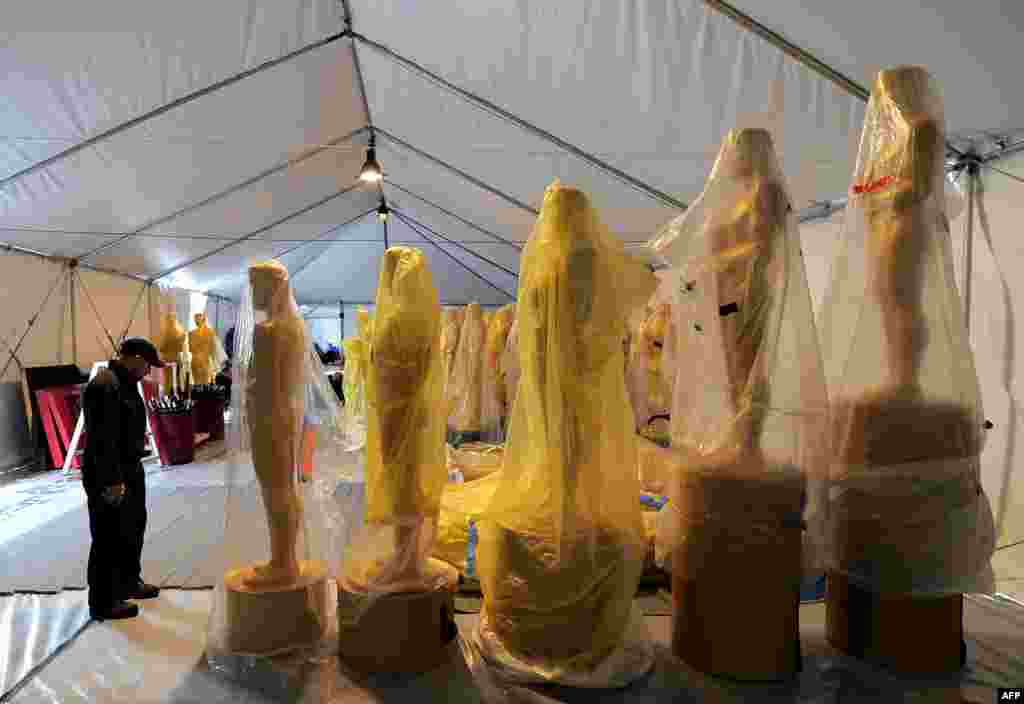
[[467, 374], [451, 327], [273, 594], [157, 658], [357, 365], [750, 409], [510, 367], [493, 402], [563, 535], [649, 385], [405, 457], [33, 627], [906, 507]]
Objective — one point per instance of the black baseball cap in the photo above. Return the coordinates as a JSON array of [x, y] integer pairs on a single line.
[[141, 347]]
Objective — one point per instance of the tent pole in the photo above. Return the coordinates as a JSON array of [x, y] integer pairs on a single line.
[[972, 176], [448, 254], [260, 231], [798, 54], [458, 172], [183, 100], [452, 215], [32, 321], [224, 193], [295, 272], [73, 305], [459, 245], [519, 122]]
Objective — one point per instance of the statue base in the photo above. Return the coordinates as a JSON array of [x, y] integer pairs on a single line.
[[272, 618], [717, 628], [404, 632], [910, 635]]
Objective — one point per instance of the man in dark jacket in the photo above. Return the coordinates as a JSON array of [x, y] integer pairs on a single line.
[[115, 484]]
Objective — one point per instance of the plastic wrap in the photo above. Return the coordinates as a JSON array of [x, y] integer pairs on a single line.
[[493, 401], [462, 505], [510, 369], [280, 541], [466, 382], [749, 414], [648, 383], [451, 327], [207, 353], [562, 541], [357, 365], [405, 460], [906, 506], [171, 343]]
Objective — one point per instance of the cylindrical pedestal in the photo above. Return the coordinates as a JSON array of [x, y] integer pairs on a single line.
[[263, 620], [736, 595], [209, 416], [911, 635], [175, 437], [402, 632]]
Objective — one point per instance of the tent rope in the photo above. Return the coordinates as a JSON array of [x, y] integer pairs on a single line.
[[135, 310], [448, 254], [32, 321], [459, 245], [96, 312]]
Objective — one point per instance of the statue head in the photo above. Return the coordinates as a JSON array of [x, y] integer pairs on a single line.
[[269, 281], [200, 319]]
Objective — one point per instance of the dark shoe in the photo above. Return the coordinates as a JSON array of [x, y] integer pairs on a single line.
[[142, 591], [112, 613]]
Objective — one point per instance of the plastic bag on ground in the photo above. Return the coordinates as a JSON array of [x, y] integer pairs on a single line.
[[906, 507], [562, 541]]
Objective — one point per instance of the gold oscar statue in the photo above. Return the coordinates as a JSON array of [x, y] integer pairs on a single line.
[[171, 345], [279, 602], [203, 345], [913, 427]]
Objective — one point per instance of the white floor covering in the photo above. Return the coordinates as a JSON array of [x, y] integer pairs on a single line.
[[159, 658]]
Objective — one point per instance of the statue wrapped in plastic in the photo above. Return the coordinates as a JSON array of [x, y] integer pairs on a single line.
[[172, 342], [907, 513], [748, 418], [649, 386], [392, 594], [493, 400], [466, 386], [562, 541], [510, 370], [207, 353], [451, 327], [273, 597]]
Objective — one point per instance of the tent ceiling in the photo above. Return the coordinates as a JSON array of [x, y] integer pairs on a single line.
[[265, 162]]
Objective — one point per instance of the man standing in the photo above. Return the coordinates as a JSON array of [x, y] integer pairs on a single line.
[[115, 426]]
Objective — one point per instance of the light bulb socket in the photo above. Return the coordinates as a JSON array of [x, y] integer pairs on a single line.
[[383, 211], [371, 171]]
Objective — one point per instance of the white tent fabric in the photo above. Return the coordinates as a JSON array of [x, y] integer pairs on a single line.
[[175, 143]]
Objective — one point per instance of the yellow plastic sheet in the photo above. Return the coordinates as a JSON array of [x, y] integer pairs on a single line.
[[405, 457], [562, 541], [467, 374], [494, 402]]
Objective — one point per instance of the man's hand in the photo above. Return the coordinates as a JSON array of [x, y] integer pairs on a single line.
[[114, 494]]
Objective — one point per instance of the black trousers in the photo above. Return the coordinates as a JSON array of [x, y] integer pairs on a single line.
[[118, 533]]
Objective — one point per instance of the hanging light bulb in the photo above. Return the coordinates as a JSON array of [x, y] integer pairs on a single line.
[[383, 211], [371, 172]]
